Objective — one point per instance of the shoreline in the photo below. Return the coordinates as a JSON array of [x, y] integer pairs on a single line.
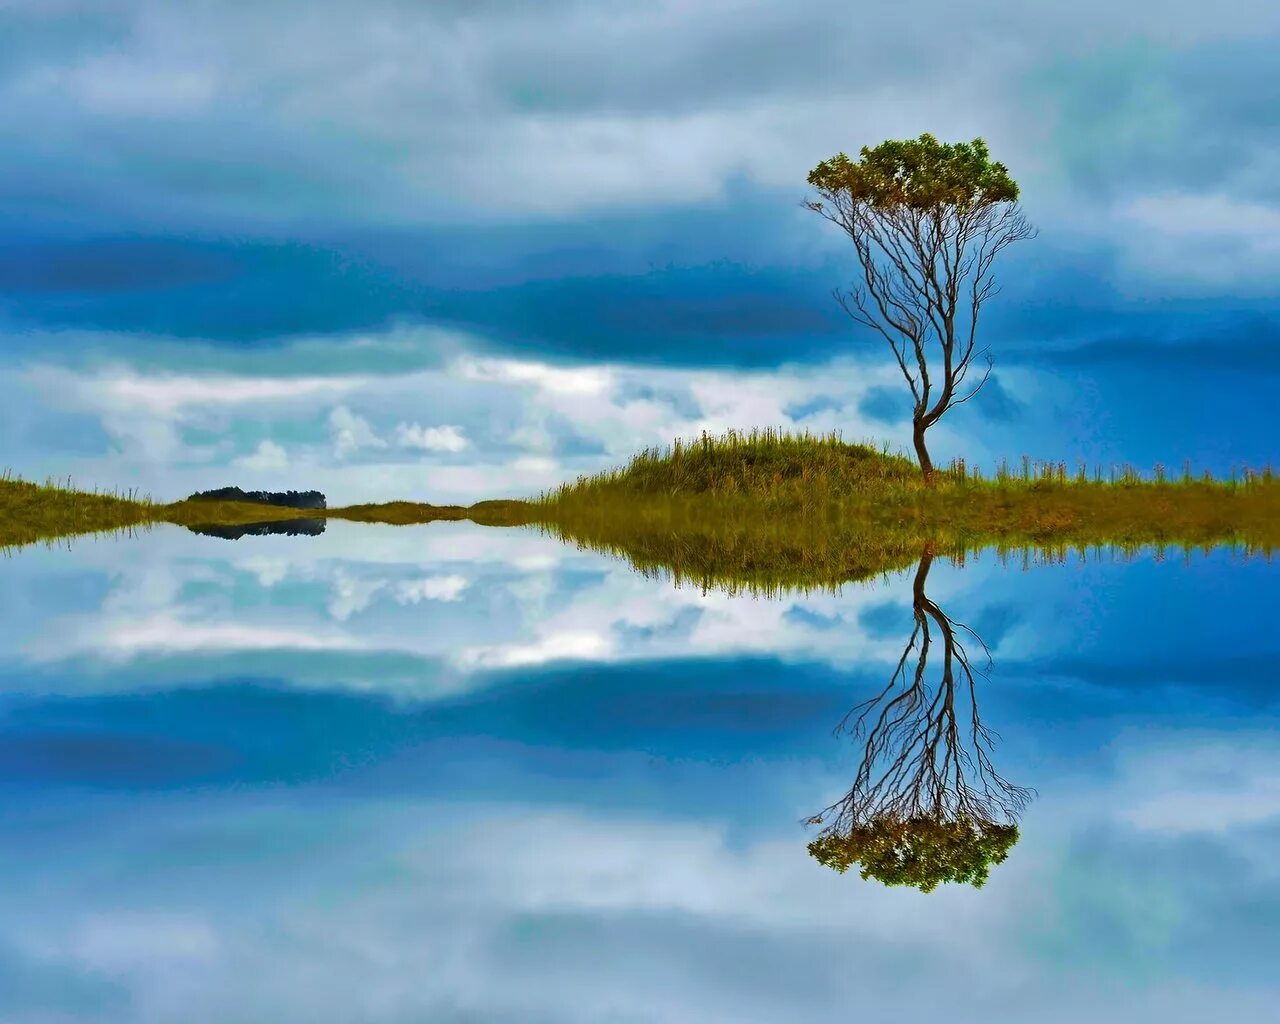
[[759, 488]]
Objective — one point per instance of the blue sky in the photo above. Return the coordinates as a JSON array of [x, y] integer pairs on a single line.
[[271, 243]]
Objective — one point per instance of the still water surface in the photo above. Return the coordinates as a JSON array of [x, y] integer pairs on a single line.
[[454, 773]]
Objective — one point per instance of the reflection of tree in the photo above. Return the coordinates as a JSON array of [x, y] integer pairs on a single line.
[[927, 805]]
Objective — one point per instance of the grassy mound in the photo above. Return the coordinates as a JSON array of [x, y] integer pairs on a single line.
[[764, 466], [738, 476]]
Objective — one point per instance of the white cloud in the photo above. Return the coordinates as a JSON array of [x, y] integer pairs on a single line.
[[267, 457], [351, 595], [447, 438], [164, 632], [145, 414], [269, 571], [534, 436], [114, 85], [559, 646], [422, 912], [1197, 781], [557, 381], [168, 394], [568, 419], [534, 464], [518, 611], [1206, 217], [350, 433], [1201, 241], [411, 112], [432, 588]]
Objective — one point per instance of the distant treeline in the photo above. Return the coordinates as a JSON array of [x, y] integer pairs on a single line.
[[289, 499]]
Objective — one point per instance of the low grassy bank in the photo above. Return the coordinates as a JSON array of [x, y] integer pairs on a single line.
[[31, 513], [806, 477], [767, 510]]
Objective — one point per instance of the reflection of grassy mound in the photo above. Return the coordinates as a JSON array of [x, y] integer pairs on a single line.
[[737, 549], [922, 852]]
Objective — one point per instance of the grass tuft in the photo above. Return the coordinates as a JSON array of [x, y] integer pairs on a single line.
[[31, 512]]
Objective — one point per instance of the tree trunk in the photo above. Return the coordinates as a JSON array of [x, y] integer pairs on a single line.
[[922, 452]]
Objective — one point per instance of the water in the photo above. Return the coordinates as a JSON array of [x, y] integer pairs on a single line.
[[454, 773]]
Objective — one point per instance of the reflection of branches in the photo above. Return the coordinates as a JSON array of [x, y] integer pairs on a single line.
[[927, 804]]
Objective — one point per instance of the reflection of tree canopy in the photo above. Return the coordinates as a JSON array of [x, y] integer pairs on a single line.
[[927, 805]]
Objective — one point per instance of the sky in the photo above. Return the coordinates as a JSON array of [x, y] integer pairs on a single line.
[[450, 251]]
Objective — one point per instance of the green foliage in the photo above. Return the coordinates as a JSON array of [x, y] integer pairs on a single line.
[[920, 174], [921, 852]]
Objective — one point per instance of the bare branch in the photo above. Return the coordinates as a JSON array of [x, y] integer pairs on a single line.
[[918, 760]]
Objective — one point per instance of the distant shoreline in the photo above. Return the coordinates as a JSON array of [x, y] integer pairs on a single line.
[[745, 485], [30, 513]]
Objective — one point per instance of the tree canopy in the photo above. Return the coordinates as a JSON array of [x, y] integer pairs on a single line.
[[920, 174]]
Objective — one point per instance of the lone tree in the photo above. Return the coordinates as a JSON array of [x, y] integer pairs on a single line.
[[927, 219], [927, 805]]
